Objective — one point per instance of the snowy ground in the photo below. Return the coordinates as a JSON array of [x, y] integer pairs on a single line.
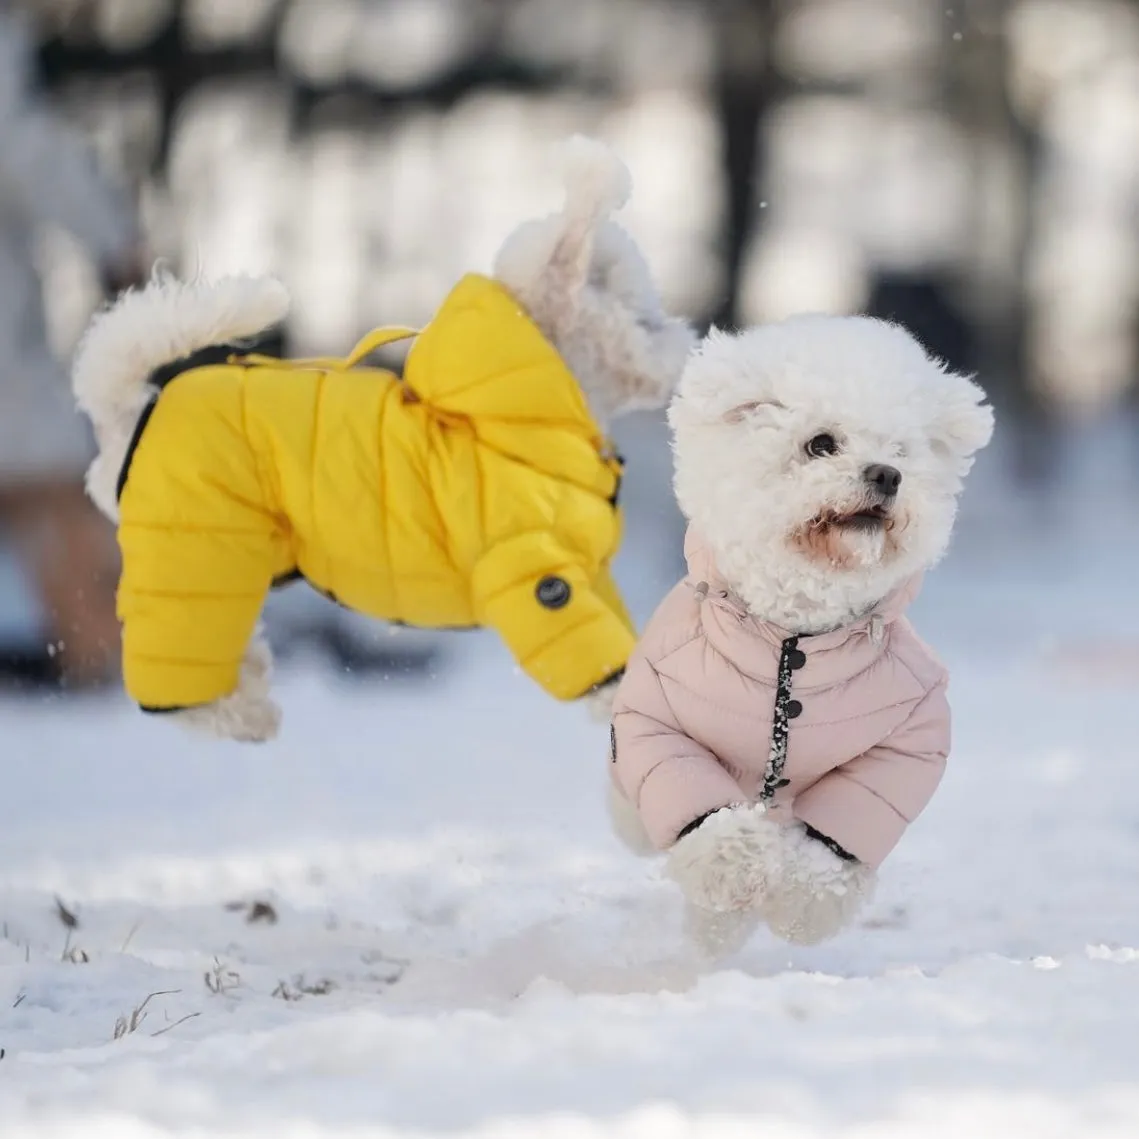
[[459, 948]]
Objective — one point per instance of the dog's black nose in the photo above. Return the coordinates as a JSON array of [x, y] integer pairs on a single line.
[[883, 479]]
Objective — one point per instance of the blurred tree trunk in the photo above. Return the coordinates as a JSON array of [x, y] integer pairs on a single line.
[[745, 87], [1000, 298]]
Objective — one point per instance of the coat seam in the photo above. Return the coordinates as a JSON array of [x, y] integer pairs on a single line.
[[526, 578], [651, 771], [192, 595], [253, 452], [668, 702], [326, 567], [870, 791], [926, 688], [184, 662], [558, 636], [484, 536], [752, 719], [382, 493], [696, 635]]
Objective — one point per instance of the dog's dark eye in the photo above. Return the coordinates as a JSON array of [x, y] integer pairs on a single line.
[[821, 446]]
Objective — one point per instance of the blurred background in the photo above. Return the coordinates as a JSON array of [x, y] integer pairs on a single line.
[[968, 167]]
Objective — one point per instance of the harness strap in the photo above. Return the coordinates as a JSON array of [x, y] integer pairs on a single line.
[[367, 344], [377, 338]]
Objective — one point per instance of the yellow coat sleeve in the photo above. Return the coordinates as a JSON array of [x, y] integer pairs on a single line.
[[189, 601], [566, 628], [606, 589]]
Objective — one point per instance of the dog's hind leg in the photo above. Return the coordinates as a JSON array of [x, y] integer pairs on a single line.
[[248, 714], [626, 823], [199, 558]]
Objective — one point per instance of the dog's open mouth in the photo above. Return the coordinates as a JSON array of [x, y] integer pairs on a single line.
[[869, 518], [866, 518]]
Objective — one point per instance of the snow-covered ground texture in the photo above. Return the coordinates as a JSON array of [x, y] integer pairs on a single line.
[[407, 916]]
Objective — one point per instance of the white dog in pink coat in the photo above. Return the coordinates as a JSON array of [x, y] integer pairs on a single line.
[[781, 723]]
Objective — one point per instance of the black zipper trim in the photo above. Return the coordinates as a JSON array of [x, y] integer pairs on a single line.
[[780, 725]]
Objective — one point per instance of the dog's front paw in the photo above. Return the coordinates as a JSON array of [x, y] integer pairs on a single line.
[[816, 893], [248, 715], [718, 935], [725, 863], [247, 719]]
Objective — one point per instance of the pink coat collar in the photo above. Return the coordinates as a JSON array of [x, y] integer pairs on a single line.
[[831, 657]]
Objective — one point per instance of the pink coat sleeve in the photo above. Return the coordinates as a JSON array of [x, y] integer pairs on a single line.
[[665, 774], [866, 804]]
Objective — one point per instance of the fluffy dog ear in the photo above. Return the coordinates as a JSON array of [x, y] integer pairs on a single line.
[[717, 386], [755, 409], [963, 422]]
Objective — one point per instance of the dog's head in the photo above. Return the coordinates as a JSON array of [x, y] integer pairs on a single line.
[[822, 458], [585, 283]]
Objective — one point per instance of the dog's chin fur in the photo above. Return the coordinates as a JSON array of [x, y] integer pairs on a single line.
[[744, 411]]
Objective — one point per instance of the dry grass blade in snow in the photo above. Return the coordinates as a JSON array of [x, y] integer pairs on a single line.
[[69, 920], [299, 987], [70, 923], [124, 1025], [220, 979]]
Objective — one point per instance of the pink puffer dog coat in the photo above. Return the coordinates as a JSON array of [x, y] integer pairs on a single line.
[[846, 731]]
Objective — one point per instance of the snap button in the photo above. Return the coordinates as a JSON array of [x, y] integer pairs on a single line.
[[794, 709], [796, 658], [553, 592]]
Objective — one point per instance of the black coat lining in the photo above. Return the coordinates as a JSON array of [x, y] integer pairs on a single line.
[[159, 378]]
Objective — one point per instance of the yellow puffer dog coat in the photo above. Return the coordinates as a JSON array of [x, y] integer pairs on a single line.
[[477, 491]]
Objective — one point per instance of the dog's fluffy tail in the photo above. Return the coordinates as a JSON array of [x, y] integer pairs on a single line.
[[596, 182], [145, 329], [546, 261]]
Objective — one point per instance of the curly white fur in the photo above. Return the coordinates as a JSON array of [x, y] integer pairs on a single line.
[[247, 714], [585, 283], [740, 867], [145, 329], [815, 894], [725, 863], [747, 405]]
